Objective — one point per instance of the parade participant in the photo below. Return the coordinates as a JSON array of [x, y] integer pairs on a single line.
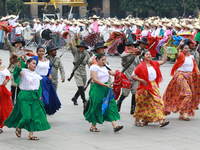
[[177, 29], [145, 32], [149, 104], [99, 90], [168, 31], [17, 30], [193, 51], [29, 112], [138, 30], [12, 21], [12, 50], [142, 44], [126, 59], [161, 34], [81, 58], [5, 100], [56, 64], [181, 92], [43, 68], [38, 28]]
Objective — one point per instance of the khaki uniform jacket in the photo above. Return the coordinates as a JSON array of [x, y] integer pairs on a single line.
[[56, 64], [196, 56], [80, 75], [12, 66], [126, 59]]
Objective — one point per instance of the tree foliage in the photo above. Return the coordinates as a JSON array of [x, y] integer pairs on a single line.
[[15, 6], [159, 6]]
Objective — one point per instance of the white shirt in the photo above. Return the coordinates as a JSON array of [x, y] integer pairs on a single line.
[[102, 73], [18, 30], [134, 28], [42, 68], [38, 27], [3, 75], [151, 73], [12, 21], [35, 26], [188, 65], [145, 33], [30, 80], [53, 28]]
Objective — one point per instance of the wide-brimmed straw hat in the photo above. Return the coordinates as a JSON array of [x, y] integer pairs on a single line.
[[95, 17]]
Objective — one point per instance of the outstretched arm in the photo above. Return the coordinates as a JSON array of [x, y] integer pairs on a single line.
[[164, 59]]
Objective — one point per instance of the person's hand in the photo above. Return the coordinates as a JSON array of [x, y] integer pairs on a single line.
[[40, 98], [145, 83], [182, 42], [19, 64], [18, 13], [165, 48], [62, 79], [107, 85], [5, 82], [50, 78]]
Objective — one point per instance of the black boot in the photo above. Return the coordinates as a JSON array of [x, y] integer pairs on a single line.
[[74, 99], [119, 102], [132, 105], [82, 93]]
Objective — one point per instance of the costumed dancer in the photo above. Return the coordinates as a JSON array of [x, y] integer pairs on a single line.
[[93, 36], [128, 58], [181, 95], [149, 104], [81, 58], [56, 64], [12, 21], [5, 100], [28, 112], [43, 68], [12, 50], [193, 51], [98, 91]]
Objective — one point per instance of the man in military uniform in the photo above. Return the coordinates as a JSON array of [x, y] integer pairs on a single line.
[[56, 64], [142, 45], [128, 58], [81, 58], [193, 52], [19, 42]]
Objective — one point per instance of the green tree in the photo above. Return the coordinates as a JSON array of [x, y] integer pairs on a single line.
[[3, 7], [15, 6], [135, 6]]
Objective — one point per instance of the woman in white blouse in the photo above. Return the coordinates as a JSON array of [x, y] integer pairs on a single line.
[[28, 112], [49, 95], [149, 104], [182, 94], [98, 91], [5, 100]]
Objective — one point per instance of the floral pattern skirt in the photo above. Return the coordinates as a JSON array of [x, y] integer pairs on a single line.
[[182, 94], [91, 39], [149, 107]]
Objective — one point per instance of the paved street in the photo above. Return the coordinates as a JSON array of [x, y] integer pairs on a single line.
[[69, 130]]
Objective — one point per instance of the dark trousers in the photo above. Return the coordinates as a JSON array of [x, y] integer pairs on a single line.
[[15, 91]]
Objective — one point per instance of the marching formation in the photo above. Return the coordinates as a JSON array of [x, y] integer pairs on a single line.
[[139, 42]]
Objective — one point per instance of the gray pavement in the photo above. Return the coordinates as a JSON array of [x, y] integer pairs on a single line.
[[70, 131]]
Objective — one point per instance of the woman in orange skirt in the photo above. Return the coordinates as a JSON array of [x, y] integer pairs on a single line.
[[5, 100], [183, 94], [149, 104]]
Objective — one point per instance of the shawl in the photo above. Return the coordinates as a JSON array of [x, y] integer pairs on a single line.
[[107, 100], [142, 72], [121, 81], [180, 61]]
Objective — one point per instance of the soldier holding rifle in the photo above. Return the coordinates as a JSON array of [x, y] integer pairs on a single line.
[[81, 58]]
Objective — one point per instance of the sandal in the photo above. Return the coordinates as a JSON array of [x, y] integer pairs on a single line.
[[118, 128], [139, 124], [94, 129], [1, 131], [164, 123], [184, 117], [33, 138], [145, 123], [18, 132]]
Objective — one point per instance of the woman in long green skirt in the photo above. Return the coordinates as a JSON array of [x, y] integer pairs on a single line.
[[28, 112], [98, 91]]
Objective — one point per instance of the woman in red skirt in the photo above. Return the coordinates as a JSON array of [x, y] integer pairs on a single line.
[[5, 100]]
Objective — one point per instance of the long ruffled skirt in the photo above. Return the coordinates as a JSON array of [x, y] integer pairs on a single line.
[[49, 96], [91, 39], [94, 113], [149, 107], [112, 48], [182, 94], [28, 113], [5, 104]]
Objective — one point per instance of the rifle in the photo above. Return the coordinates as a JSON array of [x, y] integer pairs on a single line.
[[62, 53], [151, 46], [72, 74]]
